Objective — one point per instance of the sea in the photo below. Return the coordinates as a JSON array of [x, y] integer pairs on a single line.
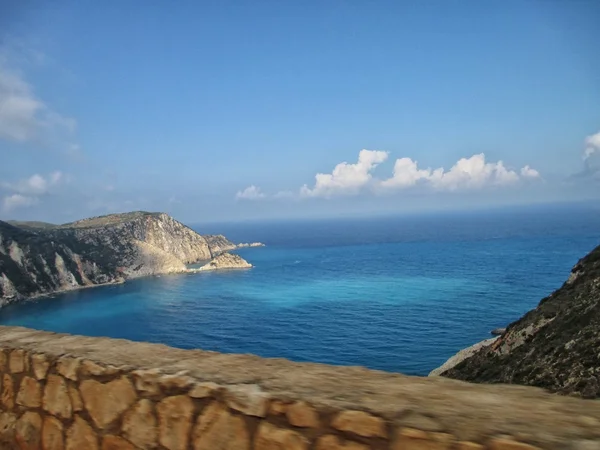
[[395, 293]]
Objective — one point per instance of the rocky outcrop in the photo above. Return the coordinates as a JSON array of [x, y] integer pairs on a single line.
[[220, 244], [461, 356], [32, 264], [38, 258], [555, 346], [226, 261]]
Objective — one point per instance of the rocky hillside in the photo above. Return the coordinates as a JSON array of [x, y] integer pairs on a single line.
[[555, 346], [33, 263], [46, 258]]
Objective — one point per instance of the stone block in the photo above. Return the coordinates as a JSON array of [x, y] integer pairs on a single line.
[[111, 442], [146, 381], [81, 436], [68, 367], [361, 423], [90, 368], [413, 439], [8, 392], [331, 442], [106, 402], [28, 431], [3, 361], [464, 445], [217, 428], [30, 393], [17, 361], [301, 414], [204, 390], [270, 437], [76, 402], [56, 397], [52, 434], [175, 421], [139, 425], [178, 381], [40, 365], [502, 443], [248, 399], [277, 407]]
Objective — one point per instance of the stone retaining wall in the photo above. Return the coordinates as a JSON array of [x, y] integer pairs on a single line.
[[77, 393]]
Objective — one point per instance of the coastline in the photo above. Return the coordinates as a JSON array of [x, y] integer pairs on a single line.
[[461, 355]]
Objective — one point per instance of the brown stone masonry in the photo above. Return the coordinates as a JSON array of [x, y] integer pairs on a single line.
[[77, 393]]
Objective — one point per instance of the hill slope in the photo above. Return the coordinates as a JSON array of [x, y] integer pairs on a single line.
[[36, 260], [555, 346]]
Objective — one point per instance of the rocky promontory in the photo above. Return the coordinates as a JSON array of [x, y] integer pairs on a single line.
[[38, 258], [226, 261], [554, 346]]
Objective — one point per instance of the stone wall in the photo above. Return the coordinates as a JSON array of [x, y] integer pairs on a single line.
[[78, 393]]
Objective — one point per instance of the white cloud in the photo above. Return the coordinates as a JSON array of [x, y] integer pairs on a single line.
[[250, 193], [528, 172], [592, 145], [346, 178], [350, 179], [11, 202], [35, 184], [467, 173], [23, 116]]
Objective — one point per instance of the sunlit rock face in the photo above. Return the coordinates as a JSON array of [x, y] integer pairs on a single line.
[[108, 249]]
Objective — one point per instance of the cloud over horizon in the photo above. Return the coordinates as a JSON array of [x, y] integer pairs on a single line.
[[351, 179], [27, 191], [24, 116]]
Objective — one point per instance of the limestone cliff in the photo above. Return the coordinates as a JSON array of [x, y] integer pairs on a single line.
[[219, 244], [42, 259], [555, 346], [226, 261], [33, 263]]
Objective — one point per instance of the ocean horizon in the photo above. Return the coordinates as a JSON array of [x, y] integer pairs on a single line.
[[400, 293]]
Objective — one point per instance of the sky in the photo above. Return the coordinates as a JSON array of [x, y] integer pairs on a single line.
[[240, 110]]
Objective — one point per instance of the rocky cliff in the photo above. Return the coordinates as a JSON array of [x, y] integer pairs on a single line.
[[36, 260], [226, 261], [555, 346]]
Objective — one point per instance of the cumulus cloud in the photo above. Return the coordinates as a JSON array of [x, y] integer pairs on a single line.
[[250, 193], [467, 173], [346, 178], [11, 202], [23, 116]]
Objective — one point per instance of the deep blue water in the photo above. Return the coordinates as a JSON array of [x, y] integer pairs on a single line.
[[400, 294]]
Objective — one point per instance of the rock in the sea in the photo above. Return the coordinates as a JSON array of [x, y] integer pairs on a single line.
[[498, 331], [252, 244], [226, 261]]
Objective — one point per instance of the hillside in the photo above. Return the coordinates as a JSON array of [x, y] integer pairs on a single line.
[[43, 259], [555, 346]]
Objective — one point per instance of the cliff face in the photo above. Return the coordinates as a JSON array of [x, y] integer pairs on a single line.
[[219, 244], [32, 263], [555, 346], [36, 260]]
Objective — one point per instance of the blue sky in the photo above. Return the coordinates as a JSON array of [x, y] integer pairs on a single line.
[[231, 110]]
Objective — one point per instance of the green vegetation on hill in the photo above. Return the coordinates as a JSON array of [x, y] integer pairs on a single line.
[[31, 225], [554, 346]]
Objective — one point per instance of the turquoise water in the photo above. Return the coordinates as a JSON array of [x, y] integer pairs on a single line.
[[398, 294]]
